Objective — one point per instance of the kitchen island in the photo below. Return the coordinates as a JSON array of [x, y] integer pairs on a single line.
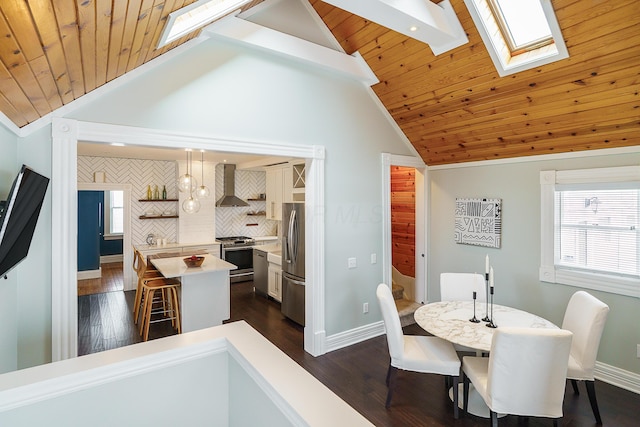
[[205, 293]]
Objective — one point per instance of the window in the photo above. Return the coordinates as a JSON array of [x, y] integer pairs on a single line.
[[522, 24], [194, 16], [113, 214], [591, 229], [519, 34]]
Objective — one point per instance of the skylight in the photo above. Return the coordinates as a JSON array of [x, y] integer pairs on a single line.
[[195, 16], [519, 34], [522, 23]]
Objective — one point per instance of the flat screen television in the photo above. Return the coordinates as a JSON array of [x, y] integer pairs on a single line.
[[18, 217]]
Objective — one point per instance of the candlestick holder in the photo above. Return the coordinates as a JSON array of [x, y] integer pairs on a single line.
[[491, 324], [474, 319], [486, 300]]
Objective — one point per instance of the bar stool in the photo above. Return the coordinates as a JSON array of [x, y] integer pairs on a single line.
[[143, 272], [169, 304], [150, 281]]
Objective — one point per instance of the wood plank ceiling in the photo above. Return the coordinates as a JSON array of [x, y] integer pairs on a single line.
[[453, 107]]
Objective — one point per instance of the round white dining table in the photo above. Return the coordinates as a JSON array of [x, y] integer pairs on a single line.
[[450, 320]]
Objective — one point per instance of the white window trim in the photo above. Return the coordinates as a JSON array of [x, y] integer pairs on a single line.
[[499, 51], [551, 273], [107, 218]]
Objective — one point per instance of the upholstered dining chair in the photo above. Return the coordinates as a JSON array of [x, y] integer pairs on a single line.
[[585, 316], [460, 287], [415, 353], [524, 374]]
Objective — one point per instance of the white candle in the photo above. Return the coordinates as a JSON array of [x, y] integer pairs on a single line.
[[491, 277], [486, 264]]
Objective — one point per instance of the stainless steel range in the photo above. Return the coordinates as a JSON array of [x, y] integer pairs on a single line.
[[238, 250]]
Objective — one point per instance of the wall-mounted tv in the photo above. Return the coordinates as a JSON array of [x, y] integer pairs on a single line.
[[18, 217]]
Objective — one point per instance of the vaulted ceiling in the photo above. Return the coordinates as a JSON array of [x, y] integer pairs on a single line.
[[452, 107]]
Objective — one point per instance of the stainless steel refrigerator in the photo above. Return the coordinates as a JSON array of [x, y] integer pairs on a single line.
[[293, 284]]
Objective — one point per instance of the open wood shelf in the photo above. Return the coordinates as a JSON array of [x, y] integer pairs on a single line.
[[157, 200], [157, 217]]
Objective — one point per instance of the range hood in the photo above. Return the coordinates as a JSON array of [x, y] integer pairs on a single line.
[[229, 182]]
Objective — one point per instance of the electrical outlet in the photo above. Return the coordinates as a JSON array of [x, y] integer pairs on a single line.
[[365, 308], [351, 263], [374, 258]]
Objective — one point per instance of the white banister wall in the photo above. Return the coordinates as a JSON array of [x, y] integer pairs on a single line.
[[228, 375]]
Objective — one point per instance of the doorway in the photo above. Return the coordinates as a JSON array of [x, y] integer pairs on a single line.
[[112, 277], [407, 243], [67, 132]]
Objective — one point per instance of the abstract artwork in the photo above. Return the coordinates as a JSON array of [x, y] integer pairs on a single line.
[[479, 222]]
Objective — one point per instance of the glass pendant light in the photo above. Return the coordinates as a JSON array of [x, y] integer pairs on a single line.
[[203, 190], [187, 182], [191, 205]]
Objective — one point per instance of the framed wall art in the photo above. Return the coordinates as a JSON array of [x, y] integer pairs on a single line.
[[478, 222]]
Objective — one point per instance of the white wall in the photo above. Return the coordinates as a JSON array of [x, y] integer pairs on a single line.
[[34, 273], [516, 263], [220, 90], [225, 91], [8, 291]]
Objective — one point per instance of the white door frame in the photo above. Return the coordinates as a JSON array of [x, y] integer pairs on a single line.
[[127, 249], [65, 136], [389, 160]]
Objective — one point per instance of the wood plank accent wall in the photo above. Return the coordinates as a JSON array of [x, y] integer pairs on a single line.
[[403, 219]]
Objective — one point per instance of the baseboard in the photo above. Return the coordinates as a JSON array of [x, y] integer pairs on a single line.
[[104, 259], [90, 274], [618, 377], [354, 336]]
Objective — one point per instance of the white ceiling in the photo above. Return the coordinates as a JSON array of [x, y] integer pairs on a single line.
[[169, 154]]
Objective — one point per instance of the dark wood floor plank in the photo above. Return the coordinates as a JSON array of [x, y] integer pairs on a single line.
[[357, 373]]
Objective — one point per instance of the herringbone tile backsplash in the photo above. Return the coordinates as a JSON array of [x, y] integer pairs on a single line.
[[229, 221], [234, 221], [140, 174]]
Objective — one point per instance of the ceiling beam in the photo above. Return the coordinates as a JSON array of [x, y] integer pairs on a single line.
[[266, 39], [434, 24]]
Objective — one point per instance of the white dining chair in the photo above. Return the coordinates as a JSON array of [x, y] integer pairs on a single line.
[[585, 316], [415, 353], [524, 374], [460, 287]]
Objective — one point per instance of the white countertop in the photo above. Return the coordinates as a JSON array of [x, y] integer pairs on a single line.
[[175, 266], [264, 238], [174, 245]]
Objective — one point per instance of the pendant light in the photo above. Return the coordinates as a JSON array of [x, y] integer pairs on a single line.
[[203, 190], [187, 182], [191, 205]]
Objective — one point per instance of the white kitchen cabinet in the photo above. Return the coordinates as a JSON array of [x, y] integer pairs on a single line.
[[279, 186], [275, 281]]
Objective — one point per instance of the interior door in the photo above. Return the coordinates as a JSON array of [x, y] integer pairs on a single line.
[[89, 224]]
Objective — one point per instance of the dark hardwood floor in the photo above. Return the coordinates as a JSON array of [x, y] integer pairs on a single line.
[[356, 373]]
